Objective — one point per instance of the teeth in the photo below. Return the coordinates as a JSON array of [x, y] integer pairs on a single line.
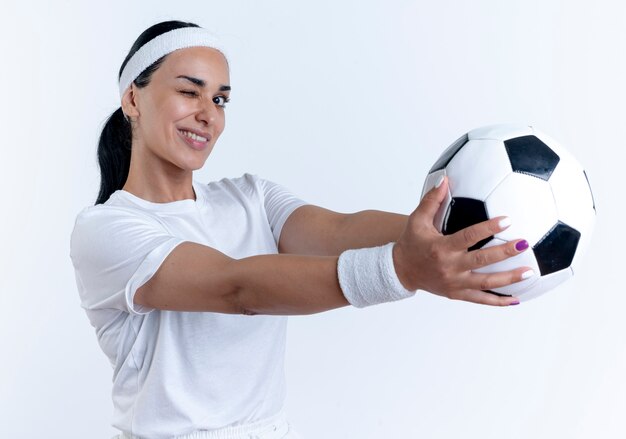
[[194, 136]]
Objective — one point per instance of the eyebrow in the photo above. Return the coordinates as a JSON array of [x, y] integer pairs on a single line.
[[201, 82]]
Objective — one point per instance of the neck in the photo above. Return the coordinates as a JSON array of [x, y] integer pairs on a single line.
[[153, 179]]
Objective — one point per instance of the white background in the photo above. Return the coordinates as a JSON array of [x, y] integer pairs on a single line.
[[347, 104]]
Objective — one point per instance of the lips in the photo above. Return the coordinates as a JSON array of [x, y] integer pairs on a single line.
[[195, 138]]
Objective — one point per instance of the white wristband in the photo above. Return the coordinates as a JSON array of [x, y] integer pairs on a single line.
[[367, 276]]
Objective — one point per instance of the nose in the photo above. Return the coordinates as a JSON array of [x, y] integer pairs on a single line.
[[208, 114]]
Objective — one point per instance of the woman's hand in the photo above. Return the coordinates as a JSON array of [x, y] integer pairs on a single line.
[[427, 260]]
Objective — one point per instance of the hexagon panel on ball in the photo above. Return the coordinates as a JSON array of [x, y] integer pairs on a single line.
[[477, 169], [528, 202]]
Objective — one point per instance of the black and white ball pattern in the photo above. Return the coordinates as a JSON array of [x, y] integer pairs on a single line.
[[522, 173]]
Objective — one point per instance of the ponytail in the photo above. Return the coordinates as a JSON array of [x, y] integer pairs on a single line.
[[114, 154]]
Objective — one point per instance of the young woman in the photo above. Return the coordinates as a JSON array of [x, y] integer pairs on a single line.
[[188, 285]]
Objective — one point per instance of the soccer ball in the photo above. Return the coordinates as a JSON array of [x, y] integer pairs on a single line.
[[517, 171]]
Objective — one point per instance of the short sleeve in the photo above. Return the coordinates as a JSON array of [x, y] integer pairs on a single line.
[[114, 252], [279, 203]]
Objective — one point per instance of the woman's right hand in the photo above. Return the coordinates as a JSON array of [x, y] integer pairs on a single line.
[[441, 264]]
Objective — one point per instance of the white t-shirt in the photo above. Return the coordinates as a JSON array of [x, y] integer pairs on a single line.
[[178, 372]]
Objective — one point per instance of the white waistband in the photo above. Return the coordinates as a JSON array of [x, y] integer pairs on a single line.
[[274, 427]]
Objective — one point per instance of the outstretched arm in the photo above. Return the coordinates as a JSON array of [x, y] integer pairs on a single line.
[[195, 277], [313, 230], [303, 282]]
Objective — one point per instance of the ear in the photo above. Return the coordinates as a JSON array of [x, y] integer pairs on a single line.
[[129, 101]]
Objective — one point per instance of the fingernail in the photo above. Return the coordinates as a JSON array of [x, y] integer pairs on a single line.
[[505, 222], [521, 245], [527, 274], [514, 303], [439, 181]]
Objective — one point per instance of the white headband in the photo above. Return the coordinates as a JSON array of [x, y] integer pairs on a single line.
[[162, 45]]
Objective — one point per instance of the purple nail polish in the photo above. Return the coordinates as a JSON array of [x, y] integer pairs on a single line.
[[521, 245], [514, 303]]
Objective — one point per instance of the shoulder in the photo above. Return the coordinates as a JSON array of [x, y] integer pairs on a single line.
[[98, 225], [109, 239], [247, 184]]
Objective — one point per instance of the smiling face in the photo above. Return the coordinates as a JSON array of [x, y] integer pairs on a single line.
[[179, 115]]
